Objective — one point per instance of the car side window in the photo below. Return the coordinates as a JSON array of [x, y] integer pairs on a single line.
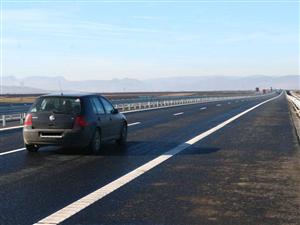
[[107, 105], [97, 106]]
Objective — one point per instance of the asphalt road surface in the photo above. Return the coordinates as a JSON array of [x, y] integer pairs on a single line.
[[247, 172]]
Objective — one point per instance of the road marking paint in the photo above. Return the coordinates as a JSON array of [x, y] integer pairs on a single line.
[[77, 206], [11, 128], [228, 103], [177, 114], [218, 105], [203, 108], [12, 151], [132, 124]]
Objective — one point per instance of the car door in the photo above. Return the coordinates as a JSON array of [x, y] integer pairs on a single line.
[[115, 118], [103, 120]]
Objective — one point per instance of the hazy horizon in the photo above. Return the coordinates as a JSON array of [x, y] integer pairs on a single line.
[[193, 83], [20, 77]]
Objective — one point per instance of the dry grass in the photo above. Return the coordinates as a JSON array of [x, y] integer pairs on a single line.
[[17, 99]]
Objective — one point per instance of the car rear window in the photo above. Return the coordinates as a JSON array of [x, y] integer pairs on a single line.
[[63, 105]]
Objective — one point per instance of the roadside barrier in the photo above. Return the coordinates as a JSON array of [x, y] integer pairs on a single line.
[[295, 100]]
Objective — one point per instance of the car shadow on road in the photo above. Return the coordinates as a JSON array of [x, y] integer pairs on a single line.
[[132, 148]]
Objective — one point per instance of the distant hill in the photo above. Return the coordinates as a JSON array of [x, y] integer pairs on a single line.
[[189, 83], [22, 90]]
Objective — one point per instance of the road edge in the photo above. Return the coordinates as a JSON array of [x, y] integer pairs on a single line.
[[295, 119]]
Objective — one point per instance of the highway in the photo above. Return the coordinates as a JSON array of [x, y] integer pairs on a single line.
[[225, 162]]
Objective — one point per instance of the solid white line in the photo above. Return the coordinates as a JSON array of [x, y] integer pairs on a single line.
[[75, 207], [11, 128], [12, 151], [203, 108], [177, 114], [132, 124]]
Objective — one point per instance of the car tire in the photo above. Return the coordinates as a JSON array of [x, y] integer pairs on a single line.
[[32, 148], [123, 135], [95, 145]]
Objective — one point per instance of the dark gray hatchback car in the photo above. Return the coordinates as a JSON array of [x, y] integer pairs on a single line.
[[73, 120]]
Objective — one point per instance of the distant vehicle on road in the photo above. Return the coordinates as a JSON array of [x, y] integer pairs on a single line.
[[73, 120]]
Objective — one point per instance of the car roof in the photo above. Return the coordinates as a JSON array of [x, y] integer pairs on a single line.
[[69, 94]]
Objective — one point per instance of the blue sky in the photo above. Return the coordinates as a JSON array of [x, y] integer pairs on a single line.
[[102, 40]]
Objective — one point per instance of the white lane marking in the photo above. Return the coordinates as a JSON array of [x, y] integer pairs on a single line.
[[75, 207], [203, 108], [12, 151], [11, 128], [177, 114], [228, 103], [218, 105], [132, 124]]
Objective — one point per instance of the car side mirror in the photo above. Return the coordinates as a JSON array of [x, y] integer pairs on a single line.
[[114, 111]]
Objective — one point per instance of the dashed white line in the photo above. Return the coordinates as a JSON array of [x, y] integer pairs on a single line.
[[218, 105], [77, 206], [12, 151], [177, 114], [203, 108], [132, 124], [228, 103]]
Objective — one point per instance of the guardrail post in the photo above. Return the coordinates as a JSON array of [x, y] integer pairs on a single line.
[[3, 121], [21, 119]]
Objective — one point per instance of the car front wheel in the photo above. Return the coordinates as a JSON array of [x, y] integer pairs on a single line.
[[123, 136], [95, 146]]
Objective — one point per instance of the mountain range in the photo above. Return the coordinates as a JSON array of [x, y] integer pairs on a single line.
[[42, 84]]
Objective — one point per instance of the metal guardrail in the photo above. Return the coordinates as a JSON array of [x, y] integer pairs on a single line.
[[143, 105], [295, 100]]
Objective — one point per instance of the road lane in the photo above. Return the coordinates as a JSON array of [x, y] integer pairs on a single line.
[[86, 201], [50, 178], [247, 173]]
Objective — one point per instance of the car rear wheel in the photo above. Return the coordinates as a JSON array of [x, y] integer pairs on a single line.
[[123, 136], [32, 148], [95, 146]]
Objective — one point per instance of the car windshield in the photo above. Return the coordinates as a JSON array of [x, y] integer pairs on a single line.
[[61, 105]]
